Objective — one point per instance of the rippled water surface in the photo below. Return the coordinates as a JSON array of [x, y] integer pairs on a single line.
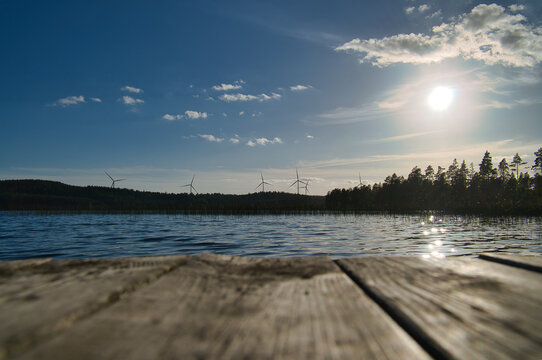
[[30, 235]]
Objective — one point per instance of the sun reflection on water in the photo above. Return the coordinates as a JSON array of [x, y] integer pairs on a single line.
[[433, 231]]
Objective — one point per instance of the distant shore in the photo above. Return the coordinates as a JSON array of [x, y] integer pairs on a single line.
[[391, 197]]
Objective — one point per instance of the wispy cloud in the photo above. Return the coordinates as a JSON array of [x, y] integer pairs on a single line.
[[263, 141], [227, 87], [300, 87], [131, 89], [172, 117], [403, 137], [436, 14], [423, 8], [488, 34], [69, 100], [128, 100], [195, 114], [211, 138], [234, 140], [248, 97], [440, 156], [95, 99]]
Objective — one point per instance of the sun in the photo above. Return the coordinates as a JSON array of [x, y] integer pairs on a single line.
[[440, 98]]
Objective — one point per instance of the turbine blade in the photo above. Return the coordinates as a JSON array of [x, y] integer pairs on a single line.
[[108, 175], [119, 179]]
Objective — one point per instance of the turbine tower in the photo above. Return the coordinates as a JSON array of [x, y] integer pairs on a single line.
[[263, 183], [113, 181], [297, 181], [191, 185]]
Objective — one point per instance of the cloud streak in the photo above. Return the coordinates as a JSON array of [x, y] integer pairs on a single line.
[[131, 89], [248, 97], [70, 100], [227, 87], [488, 34], [263, 141], [172, 117], [300, 87], [211, 138]]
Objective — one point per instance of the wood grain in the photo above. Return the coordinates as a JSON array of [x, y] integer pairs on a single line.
[[460, 308], [528, 262], [239, 308], [38, 298]]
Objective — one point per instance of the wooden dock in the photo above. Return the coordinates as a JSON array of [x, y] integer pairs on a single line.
[[211, 306]]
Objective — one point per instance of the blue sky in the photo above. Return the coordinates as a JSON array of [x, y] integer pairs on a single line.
[[159, 91]]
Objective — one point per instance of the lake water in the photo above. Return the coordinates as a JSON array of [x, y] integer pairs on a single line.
[[31, 235]]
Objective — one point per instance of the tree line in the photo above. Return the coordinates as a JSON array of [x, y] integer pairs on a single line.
[[460, 188], [56, 196]]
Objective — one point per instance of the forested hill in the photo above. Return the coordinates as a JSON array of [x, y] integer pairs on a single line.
[[51, 195]]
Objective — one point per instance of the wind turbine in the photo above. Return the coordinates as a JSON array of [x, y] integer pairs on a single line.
[[263, 183], [191, 185], [113, 181], [360, 183], [306, 187], [297, 181]]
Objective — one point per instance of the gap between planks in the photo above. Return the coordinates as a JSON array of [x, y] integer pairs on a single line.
[[528, 262], [411, 328]]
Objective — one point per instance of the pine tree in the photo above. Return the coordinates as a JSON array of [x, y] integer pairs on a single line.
[[486, 166], [516, 163], [537, 161], [504, 170], [430, 173]]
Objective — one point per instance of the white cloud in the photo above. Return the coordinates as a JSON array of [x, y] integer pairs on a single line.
[[234, 140], [128, 100], [195, 114], [248, 97], [95, 99], [241, 113], [172, 117], [263, 141], [227, 87], [70, 100], [300, 87], [310, 136], [131, 89], [516, 7], [423, 8], [488, 34], [409, 10], [210, 138], [436, 14]]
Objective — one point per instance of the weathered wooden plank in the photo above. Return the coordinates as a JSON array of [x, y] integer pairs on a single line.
[[40, 297], [528, 262], [458, 308], [239, 308]]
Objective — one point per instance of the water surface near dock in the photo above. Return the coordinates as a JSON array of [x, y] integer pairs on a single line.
[[31, 235]]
